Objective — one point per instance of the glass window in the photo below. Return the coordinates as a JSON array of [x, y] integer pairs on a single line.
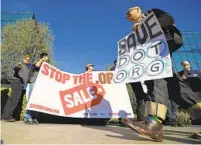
[[199, 46], [191, 57], [178, 66], [185, 40], [7, 18], [196, 34], [183, 56], [199, 65], [197, 40], [194, 65], [193, 46], [190, 40], [174, 68], [181, 49], [176, 57], [197, 56], [187, 47]]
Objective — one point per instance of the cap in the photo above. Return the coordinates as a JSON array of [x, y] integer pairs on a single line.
[[88, 65]]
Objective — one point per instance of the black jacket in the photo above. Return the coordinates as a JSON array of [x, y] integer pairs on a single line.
[[22, 72], [173, 35], [193, 80]]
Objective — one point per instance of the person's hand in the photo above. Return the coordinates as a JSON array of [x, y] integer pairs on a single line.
[[45, 58], [135, 26], [42, 60], [19, 65]]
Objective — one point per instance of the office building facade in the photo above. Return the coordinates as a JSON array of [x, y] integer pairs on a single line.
[[10, 18], [190, 51]]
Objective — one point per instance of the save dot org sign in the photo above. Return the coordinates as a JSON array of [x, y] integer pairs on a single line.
[[87, 95], [144, 54]]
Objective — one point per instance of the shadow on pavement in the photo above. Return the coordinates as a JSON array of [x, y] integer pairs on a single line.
[[187, 140], [52, 119], [124, 133], [176, 132]]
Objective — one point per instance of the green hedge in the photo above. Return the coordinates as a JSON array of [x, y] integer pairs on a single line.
[[19, 113], [183, 117]]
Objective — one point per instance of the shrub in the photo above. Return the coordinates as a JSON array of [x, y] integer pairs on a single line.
[[183, 117], [114, 121], [23, 108], [19, 113]]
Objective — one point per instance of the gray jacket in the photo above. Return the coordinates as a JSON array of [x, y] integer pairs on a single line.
[[22, 72]]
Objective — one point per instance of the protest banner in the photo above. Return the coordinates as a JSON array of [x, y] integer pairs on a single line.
[[87, 95], [144, 54]]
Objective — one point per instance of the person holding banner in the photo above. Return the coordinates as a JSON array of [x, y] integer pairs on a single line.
[[161, 90], [30, 117], [18, 86], [113, 66]]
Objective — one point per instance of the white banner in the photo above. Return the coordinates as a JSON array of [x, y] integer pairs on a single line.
[[143, 55], [87, 95]]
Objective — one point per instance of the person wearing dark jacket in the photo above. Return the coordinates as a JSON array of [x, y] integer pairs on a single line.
[[30, 117], [161, 90], [191, 77], [18, 86]]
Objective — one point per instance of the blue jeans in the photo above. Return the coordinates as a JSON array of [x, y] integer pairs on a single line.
[[172, 110], [29, 114]]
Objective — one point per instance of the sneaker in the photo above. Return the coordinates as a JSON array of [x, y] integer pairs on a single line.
[[196, 135], [35, 121], [2, 141], [28, 121], [9, 120]]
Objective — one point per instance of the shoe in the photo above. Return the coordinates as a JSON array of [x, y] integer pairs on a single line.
[[174, 125], [28, 121], [35, 121], [9, 120], [196, 135], [167, 122], [180, 125], [2, 141], [151, 128]]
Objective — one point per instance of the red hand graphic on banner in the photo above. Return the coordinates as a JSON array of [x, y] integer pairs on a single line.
[[78, 98]]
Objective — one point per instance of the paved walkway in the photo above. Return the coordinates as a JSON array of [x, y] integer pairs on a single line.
[[19, 133]]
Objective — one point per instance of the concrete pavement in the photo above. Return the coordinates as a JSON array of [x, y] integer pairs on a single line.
[[19, 133]]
